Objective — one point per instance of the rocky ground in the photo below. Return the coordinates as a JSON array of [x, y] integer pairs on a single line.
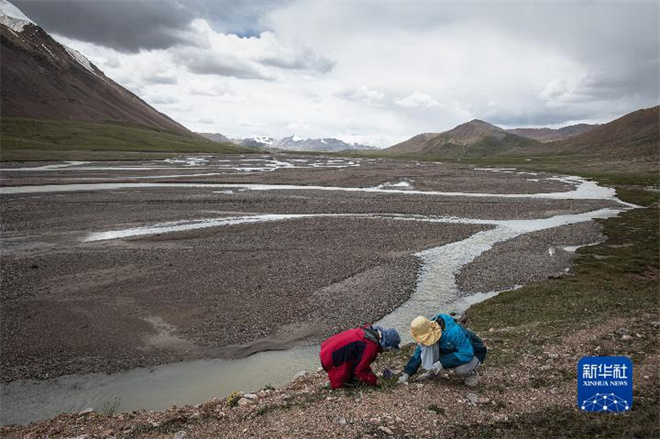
[[528, 399], [531, 257]]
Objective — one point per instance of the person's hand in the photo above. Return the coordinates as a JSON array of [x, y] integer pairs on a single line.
[[436, 368], [403, 378]]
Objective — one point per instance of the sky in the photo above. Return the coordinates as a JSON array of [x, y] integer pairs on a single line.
[[372, 72]]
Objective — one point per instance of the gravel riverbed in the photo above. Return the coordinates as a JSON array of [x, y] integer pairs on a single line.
[[71, 306]]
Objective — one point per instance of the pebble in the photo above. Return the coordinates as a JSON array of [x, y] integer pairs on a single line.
[[250, 396], [626, 337], [472, 398], [342, 421], [87, 411], [375, 421], [180, 435], [301, 374], [386, 430]]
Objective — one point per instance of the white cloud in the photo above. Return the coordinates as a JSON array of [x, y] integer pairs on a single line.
[[362, 94], [417, 99]]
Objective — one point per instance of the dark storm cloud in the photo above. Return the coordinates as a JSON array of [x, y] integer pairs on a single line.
[[126, 26], [129, 26]]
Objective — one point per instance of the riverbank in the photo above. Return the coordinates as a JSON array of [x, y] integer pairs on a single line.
[[606, 305]]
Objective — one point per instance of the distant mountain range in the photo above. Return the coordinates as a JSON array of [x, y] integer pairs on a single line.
[[292, 143], [43, 79], [633, 133]]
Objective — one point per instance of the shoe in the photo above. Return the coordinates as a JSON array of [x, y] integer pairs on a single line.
[[472, 380]]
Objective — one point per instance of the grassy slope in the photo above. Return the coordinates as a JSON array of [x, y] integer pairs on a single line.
[[28, 139], [614, 280]]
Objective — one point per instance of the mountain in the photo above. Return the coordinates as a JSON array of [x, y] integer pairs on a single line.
[[43, 79], [296, 143], [216, 137], [551, 135], [474, 138], [636, 133], [327, 144], [255, 142]]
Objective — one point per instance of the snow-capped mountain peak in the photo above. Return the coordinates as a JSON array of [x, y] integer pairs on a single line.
[[12, 17], [328, 144], [263, 139]]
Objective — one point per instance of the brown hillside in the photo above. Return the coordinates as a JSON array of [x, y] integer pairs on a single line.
[[474, 138], [636, 132], [40, 79], [551, 135]]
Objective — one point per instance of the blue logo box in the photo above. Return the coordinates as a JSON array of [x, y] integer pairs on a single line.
[[605, 384]]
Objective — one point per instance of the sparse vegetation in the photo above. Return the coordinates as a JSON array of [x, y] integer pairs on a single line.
[[612, 281], [28, 139], [232, 400]]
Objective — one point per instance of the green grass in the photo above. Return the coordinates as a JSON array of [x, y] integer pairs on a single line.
[[28, 139], [616, 279], [558, 422]]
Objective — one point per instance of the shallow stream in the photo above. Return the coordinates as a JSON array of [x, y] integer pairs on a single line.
[[198, 381]]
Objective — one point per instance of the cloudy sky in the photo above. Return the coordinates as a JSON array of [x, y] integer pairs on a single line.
[[371, 72]]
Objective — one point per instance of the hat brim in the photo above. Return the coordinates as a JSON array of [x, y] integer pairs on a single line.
[[431, 337]]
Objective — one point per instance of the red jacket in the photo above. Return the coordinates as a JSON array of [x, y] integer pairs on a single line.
[[350, 354]]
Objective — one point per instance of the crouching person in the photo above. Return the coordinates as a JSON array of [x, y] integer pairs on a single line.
[[442, 343], [348, 355]]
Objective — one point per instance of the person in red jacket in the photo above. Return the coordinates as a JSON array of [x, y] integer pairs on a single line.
[[349, 354]]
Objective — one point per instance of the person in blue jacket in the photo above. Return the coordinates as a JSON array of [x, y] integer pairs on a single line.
[[442, 343]]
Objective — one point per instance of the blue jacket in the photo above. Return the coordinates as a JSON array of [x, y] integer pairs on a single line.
[[457, 346]]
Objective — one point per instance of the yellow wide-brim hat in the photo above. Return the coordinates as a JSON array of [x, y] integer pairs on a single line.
[[425, 331]]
